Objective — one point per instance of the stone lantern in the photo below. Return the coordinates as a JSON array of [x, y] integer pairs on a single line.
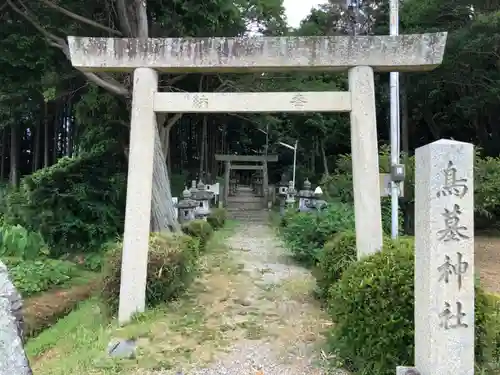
[[282, 192], [193, 189], [186, 207], [305, 196], [316, 203], [290, 195], [202, 198]]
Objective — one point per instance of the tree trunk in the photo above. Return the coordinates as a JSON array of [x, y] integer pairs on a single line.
[[55, 134], [14, 155], [36, 148], [162, 208], [325, 160], [204, 146], [2, 160], [70, 127], [45, 136]]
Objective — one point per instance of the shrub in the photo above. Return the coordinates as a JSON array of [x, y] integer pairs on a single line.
[[306, 233], [16, 241], [199, 229], [34, 276], [372, 306], [487, 327], [76, 204], [285, 219], [339, 186], [217, 218], [172, 265], [338, 253]]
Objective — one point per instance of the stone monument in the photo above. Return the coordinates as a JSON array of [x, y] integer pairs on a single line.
[[444, 259]]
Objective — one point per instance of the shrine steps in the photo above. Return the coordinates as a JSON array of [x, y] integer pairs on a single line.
[[246, 206]]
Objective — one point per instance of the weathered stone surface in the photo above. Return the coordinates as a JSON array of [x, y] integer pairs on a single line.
[[444, 258], [365, 166], [13, 359], [252, 102], [139, 195], [122, 348], [404, 370], [383, 53]]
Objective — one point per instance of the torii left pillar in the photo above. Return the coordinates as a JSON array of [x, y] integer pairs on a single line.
[[139, 194]]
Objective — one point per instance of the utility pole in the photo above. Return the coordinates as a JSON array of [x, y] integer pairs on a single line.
[[395, 124]]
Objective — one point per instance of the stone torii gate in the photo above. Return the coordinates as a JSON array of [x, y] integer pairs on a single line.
[[228, 164], [360, 56]]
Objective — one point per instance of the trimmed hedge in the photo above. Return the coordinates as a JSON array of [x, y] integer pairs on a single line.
[[306, 233], [338, 253], [372, 306], [172, 266]]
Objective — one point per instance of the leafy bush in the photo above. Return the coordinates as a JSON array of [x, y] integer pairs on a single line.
[[217, 218], [338, 253], [92, 262], [16, 241], [285, 219], [199, 229], [88, 261], [34, 276], [306, 233], [339, 185], [372, 306], [486, 187], [172, 265], [76, 204], [487, 327]]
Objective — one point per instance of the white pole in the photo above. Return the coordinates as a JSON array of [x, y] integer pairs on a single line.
[[395, 143], [294, 162]]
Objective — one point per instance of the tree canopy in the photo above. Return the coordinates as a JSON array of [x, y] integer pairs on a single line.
[[48, 110]]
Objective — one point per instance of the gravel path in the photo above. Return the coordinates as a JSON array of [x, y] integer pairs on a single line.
[[286, 321]]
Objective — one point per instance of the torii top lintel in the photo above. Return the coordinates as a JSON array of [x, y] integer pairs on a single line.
[[415, 52]]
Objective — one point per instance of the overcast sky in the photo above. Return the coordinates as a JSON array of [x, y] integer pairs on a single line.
[[297, 10]]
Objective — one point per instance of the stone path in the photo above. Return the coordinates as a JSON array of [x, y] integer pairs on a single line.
[[283, 322]]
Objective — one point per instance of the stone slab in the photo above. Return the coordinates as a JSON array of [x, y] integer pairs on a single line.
[[246, 158], [444, 258], [412, 52], [405, 370], [255, 102]]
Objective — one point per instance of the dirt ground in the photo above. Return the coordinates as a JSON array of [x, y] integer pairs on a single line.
[[43, 310], [487, 262]]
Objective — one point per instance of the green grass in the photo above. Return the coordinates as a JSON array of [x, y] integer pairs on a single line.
[[178, 332]]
